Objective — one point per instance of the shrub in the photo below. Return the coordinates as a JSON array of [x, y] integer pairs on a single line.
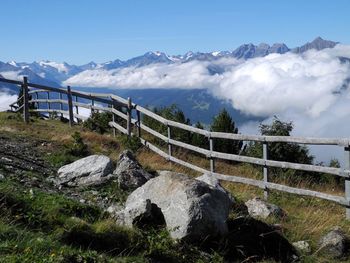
[[78, 147], [132, 143], [98, 122]]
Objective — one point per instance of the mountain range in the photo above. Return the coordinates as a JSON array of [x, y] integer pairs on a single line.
[[54, 74]]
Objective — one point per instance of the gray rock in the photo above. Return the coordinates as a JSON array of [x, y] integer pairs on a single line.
[[211, 180], [302, 246], [91, 170], [134, 212], [262, 209], [129, 172], [215, 183], [2, 177], [192, 210], [335, 243]]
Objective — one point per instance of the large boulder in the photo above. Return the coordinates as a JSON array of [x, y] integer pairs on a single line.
[[262, 209], [129, 172], [142, 214], [91, 170], [335, 243], [212, 181], [192, 209]]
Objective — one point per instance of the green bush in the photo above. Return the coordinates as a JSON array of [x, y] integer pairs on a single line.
[[132, 143], [98, 122], [78, 147]]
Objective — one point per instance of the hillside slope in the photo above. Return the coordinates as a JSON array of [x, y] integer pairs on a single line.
[[37, 216]]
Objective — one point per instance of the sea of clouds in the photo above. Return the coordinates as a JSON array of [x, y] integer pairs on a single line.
[[310, 89]]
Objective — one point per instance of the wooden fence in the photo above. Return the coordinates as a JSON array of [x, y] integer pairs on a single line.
[[115, 103]]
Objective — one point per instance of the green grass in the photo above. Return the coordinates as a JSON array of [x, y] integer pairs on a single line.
[[34, 208], [36, 226]]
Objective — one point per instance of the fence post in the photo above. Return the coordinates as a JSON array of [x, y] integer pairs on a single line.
[[48, 102], [61, 105], [92, 106], [113, 117], [37, 97], [347, 180], [128, 124], [76, 106], [138, 115], [25, 100], [212, 161], [70, 106], [266, 170], [170, 147]]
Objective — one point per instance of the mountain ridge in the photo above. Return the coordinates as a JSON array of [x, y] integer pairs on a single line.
[[57, 73]]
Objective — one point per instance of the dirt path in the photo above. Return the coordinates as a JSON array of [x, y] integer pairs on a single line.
[[19, 155]]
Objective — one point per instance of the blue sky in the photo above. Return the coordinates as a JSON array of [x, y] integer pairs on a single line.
[[78, 31]]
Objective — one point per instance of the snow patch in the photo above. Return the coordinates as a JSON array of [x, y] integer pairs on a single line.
[[61, 67]]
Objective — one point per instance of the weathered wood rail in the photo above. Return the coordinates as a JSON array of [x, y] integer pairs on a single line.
[[68, 99]]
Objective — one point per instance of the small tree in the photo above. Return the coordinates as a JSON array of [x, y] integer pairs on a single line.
[[171, 113], [199, 140], [224, 123], [286, 152]]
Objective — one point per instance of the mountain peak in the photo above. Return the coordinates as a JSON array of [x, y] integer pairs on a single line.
[[318, 39], [264, 46], [318, 43]]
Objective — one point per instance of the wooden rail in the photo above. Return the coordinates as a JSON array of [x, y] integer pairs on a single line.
[[118, 106]]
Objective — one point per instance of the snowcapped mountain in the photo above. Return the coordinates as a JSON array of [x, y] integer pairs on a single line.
[[112, 64], [148, 58], [13, 70], [89, 66], [50, 72], [158, 79], [53, 71]]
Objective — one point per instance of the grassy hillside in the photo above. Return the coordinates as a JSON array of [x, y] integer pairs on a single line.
[[41, 224]]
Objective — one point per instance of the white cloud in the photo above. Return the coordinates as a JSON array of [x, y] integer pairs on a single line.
[[191, 75], [15, 75], [279, 83], [5, 100], [311, 89]]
